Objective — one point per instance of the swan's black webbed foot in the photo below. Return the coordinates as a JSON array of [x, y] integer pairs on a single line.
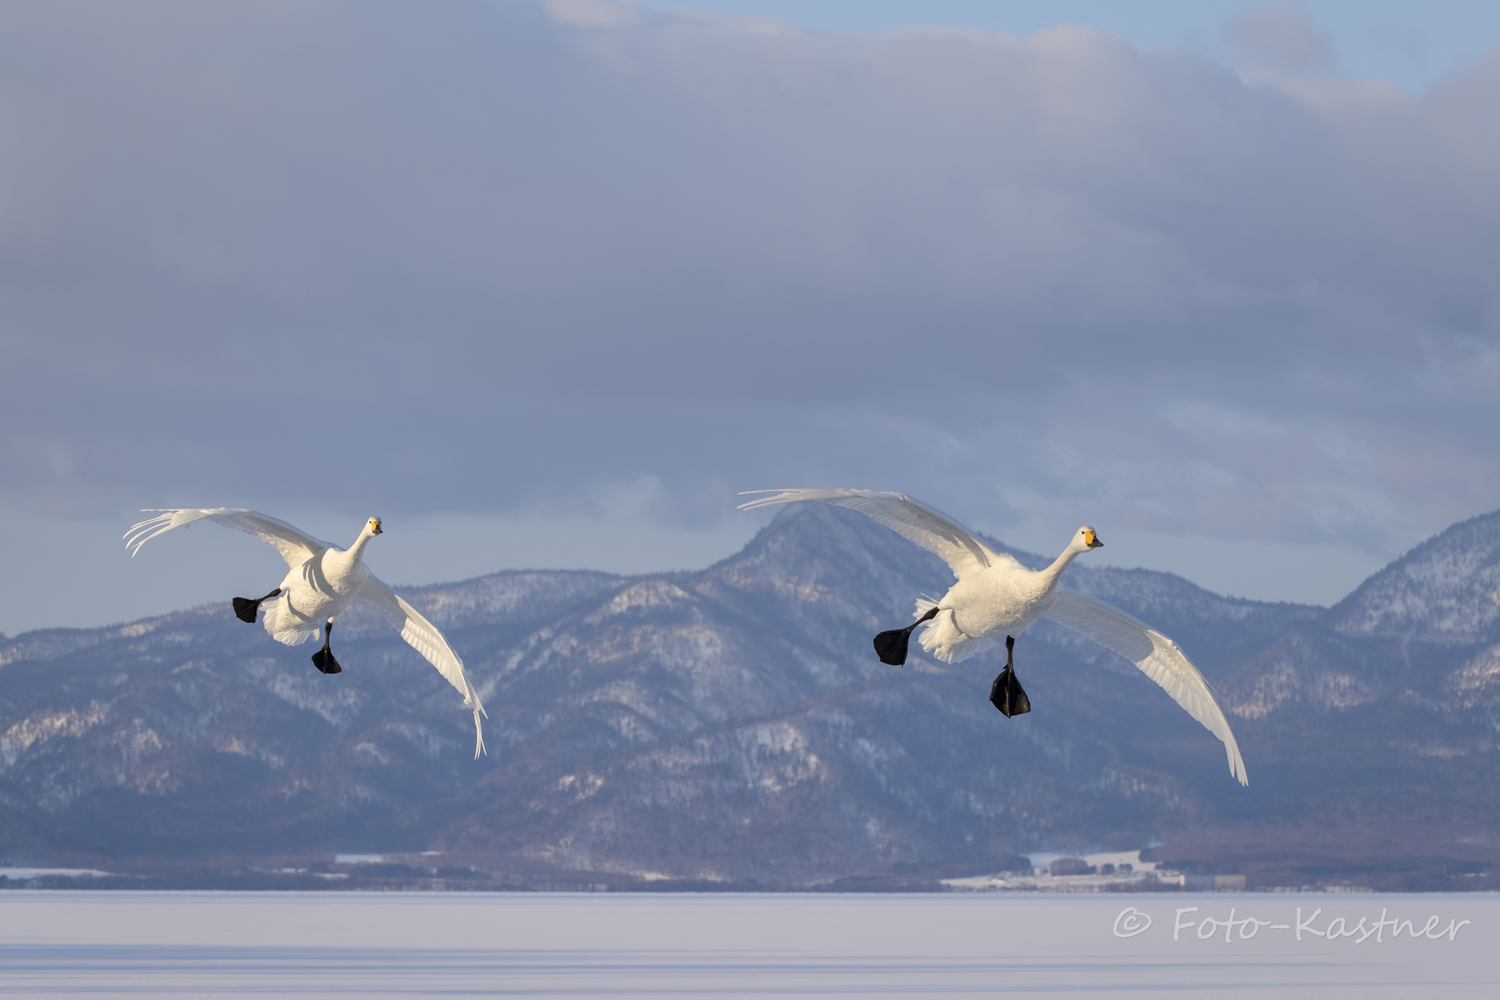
[[323, 658], [1006, 693], [244, 608], [891, 646], [324, 661]]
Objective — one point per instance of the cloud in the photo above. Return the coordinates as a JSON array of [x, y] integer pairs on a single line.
[[1282, 36], [591, 13], [506, 260]]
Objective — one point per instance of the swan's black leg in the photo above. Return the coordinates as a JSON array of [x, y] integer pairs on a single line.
[[323, 658], [891, 646], [244, 609], [1006, 693]]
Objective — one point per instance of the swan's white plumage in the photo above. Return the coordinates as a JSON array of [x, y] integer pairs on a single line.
[[295, 546], [284, 624], [321, 582], [1158, 657], [996, 595], [424, 637], [928, 527]]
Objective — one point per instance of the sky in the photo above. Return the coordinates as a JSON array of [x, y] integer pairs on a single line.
[[1411, 44], [547, 284]]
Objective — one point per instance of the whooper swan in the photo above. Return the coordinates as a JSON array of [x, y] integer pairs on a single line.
[[995, 595], [321, 582]]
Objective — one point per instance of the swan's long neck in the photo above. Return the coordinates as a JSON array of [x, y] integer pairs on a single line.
[[1054, 572], [357, 550]]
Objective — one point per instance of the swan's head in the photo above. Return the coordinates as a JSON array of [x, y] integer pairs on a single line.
[[1087, 539], [374, 525]]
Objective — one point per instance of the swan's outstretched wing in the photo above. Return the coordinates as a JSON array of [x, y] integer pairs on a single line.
[[424, 637], [295, 546], [1156, 655], [931, 529]]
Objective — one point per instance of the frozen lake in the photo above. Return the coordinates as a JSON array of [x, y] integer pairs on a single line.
[[330, 945]]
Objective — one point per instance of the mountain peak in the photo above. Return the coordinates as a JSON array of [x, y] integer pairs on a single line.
[[1447, 589]]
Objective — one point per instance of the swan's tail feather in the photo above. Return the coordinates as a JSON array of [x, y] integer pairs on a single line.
[[285, 626], [946, 641]]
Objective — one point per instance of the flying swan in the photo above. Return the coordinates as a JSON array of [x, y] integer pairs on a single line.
[[322, 581], [995, 595]]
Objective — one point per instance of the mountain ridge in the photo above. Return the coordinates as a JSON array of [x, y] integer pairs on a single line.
[[731, 725]]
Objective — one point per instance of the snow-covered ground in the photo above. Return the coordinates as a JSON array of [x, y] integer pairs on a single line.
[[333, 945], [23, 874]]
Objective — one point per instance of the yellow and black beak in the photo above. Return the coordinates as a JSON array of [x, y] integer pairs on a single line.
[[375, 526], [1092, 540]]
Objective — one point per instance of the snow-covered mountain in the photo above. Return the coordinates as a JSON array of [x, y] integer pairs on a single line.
[[734, 725], [1424, 632], [1445, 590]]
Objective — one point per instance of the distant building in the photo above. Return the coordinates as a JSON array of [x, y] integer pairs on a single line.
[[1212, 883]]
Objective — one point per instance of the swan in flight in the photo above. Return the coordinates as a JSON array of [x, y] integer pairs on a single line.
[[321, 582], [995, 595]]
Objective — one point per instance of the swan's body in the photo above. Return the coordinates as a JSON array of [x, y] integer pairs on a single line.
[[322, 587], [1004, 598], [322, 581], [996, 597]]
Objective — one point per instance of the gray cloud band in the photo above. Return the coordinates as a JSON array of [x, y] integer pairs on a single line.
[[340, 253]]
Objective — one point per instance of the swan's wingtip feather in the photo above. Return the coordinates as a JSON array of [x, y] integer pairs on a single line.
[[1237, 764], [791, 495], [479, 747], [763, 501]]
